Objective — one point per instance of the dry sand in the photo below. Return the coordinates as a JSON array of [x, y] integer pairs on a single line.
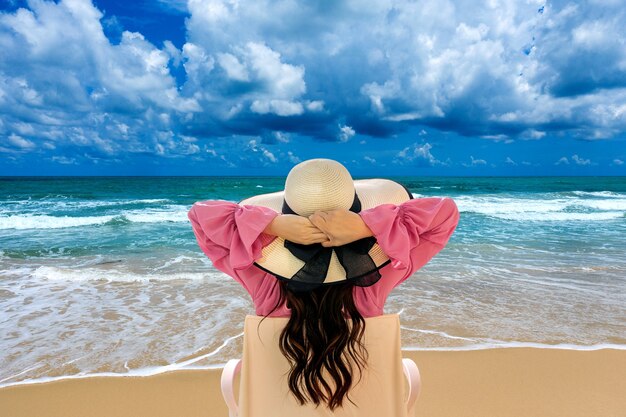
[[516, 382]]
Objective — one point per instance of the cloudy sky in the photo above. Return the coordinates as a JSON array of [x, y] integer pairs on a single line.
[[212, 87]]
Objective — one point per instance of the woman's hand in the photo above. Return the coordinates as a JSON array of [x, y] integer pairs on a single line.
[[341, 226], [296, 229]]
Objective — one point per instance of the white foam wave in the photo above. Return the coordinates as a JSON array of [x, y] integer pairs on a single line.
[[154, 216], [53, 273], [438, 333], [177, 260], [616, 204], [78, 204], [29, 221], [609, 194], [561, 216], [546, 209], [106, 203], [505, 345]]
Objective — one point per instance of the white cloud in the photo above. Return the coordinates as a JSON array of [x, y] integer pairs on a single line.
[[197, 62], [192, 148], [618, 162], [418, 153], [277, 137], [64, 160], [533, 134], [580, 161], [510, 161], [345, 133], [477, 161], [235, 69], [494, 69], [278, 107], [256, 148], [283, 80], [293, 158], [269, 155], [370, 159], [424, 152], [498, 138], [315, 106], [576, 159], [89, 86], [174, 53], [20, 142]]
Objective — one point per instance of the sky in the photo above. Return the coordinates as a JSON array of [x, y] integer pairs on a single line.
[[233, 87]]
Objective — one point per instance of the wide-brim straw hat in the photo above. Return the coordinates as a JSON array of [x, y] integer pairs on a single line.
[[325, 184]]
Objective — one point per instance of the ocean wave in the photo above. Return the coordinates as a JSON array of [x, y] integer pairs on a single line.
[[53, 273], [530, 216], [177, 260], [609, 194], [543, 209], [28, 221], [513, 345], [30, 206], [44, 221], [84, 203]]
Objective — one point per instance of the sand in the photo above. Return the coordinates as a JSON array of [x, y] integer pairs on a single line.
[[516, 382]]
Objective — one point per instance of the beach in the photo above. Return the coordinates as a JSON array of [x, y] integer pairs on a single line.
[[503, 382], [106, 298]]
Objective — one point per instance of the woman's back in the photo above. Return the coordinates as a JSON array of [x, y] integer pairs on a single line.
[[263, 391], [324, 254], [411, 233]]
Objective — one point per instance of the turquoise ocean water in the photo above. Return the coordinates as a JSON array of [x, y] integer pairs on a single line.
[[103, 275]]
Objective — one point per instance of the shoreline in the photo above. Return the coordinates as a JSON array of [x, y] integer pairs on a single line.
[[487, 383], [183, 366]]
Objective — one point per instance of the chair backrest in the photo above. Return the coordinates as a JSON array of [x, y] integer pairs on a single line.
[[264, 391]]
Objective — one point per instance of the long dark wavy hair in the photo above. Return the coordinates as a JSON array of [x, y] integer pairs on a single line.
[[323, 336]]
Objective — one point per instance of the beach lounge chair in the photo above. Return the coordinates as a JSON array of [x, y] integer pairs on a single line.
[[389, 387]]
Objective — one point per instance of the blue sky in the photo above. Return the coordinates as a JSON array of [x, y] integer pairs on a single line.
[[212, 87]]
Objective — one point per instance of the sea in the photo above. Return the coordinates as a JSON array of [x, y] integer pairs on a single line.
[[103, 275]]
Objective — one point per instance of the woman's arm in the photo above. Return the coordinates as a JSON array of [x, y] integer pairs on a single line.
[[425, 223], [340, 226], [296, 229], [412, 233]]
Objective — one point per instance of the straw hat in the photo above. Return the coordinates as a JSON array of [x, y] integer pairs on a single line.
[[325, 184]]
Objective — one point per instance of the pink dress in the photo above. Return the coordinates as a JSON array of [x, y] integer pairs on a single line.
[[410, 234]]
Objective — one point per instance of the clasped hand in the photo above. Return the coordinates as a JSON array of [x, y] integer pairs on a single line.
[[330, 228]]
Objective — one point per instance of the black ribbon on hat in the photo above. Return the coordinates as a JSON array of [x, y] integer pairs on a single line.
[[354, 258]]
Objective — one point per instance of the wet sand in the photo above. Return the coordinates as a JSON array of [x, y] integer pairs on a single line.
[[487, 383]]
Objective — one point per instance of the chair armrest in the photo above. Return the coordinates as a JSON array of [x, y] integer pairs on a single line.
[[231, 370], [412, 374]]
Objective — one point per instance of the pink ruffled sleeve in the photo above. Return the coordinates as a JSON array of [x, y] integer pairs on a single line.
[[413, 232], [231, 235]]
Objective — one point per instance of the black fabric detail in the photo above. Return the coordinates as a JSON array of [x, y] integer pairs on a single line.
[[354, 257], [299, 286]]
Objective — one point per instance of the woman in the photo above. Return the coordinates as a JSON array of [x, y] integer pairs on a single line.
[[325, 252]]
